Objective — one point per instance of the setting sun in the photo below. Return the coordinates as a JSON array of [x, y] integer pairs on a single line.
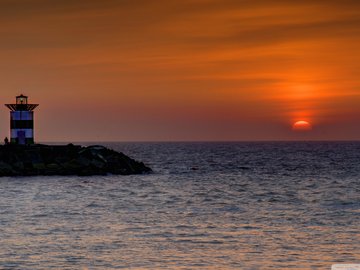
[[301, 126]]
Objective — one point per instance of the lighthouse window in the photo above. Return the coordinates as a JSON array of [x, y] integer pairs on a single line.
[[21, 100]]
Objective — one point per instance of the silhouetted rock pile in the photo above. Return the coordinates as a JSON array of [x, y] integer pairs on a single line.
[[38, 159]]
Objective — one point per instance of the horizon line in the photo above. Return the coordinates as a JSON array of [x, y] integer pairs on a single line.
[[193, 141]]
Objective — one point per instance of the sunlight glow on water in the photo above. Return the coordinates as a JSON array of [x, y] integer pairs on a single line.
[[207, 206]]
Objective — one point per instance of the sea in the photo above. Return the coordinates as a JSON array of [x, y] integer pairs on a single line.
[[207, 205]]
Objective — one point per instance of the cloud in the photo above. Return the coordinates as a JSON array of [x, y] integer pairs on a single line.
[[233, 60]]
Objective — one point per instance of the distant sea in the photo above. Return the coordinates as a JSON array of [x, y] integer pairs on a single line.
[[247, 205]]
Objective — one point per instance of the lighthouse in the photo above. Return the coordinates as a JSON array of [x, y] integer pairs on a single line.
[[22, 121]]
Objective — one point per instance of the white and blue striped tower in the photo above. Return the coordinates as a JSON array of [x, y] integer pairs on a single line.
[[22, 121]]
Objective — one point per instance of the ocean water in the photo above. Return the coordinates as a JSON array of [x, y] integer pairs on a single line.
[[280, 205]]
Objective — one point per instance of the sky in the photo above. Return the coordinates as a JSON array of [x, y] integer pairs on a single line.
[[183, 70]]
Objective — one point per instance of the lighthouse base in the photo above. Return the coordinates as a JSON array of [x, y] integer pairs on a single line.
[[22, 141]]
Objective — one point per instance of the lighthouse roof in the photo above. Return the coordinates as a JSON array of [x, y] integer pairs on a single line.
[[21, 104]]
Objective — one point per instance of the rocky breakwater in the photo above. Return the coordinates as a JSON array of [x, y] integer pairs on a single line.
[[38, 159]]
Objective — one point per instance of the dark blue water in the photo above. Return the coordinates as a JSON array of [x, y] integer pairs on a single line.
[[207, 206]]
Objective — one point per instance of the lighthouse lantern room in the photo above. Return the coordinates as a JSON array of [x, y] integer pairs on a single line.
[[22, 121]]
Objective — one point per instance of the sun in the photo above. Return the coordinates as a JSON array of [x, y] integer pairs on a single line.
[[302, 126]]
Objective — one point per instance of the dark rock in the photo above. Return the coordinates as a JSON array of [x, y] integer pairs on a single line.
[[68, 159], [6, 169]]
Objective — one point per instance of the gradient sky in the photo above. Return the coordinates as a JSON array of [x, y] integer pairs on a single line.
[[183, 69]]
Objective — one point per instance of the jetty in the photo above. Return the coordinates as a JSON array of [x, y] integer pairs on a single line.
[[40, 159], [21, 156]]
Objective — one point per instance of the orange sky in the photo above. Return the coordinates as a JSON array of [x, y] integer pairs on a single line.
[[183, 69]]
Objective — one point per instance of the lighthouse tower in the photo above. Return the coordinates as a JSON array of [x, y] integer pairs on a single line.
[[22, 121]]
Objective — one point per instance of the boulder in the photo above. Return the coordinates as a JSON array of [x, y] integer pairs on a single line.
[[6, 169]]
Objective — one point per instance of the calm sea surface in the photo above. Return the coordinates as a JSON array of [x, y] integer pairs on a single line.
[[206, 206]]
